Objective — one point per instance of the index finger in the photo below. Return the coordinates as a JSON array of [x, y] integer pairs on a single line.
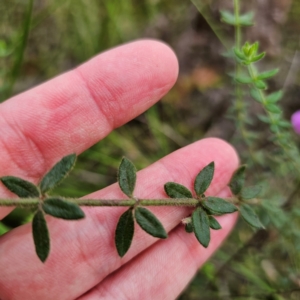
[[74, 111]]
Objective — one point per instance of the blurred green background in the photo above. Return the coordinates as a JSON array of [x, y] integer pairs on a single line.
[[41, 39]]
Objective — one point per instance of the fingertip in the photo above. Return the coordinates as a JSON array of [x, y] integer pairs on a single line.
[[149, 59]]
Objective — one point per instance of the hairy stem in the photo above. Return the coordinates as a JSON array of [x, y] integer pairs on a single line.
[[34, 202]]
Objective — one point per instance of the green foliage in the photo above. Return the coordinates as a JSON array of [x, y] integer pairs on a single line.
[[40, 236], [124, 232], [246, 56], [250, 192], [175, 190], [267, 74], [204, 179], [213, 223], [243, 20], [63, 209], [20, 187], [189, 228], [250, 216], [201, 226], [150, 223], [237, 180], [218, 206], [57, 173], [127, 177]]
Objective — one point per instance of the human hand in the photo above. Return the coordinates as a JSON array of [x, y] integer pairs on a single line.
[[68, 115]]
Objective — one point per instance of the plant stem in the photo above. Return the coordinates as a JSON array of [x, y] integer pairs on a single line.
[[33, 202], [237, 27], [241, 114]]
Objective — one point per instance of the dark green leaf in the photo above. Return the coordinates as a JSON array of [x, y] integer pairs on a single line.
[[260, 84], [127, 176], [213, 223], [63, 209], [237, 180], [189, 228], [201, 226], [20, 187], [250, 192], [40, 236], [148, 222], [204, 179], [57, 173], [267, 74], [273, 108], [250, 216], [275, 97], [175, 190], [124, 232], [257, 57], [218, 206], [243, 79], [256, 95]]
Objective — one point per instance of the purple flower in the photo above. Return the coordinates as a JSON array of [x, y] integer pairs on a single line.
[[295, 119]]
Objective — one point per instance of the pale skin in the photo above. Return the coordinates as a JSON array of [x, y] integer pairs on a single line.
[[69, 114]]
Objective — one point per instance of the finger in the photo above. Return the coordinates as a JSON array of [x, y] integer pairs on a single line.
[[84, 251], [74, 111], [163, 270]]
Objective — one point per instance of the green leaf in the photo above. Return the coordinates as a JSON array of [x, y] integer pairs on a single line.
[[148, 222], [213, 223], [175, 190], [201, 226], [255, 47], [285, 124], [244, 79], [63, 209], [239, 54], [256, 95], [40, 236], [260, 84], [267, 74], [246, 19], [124, 232], [257, 57], [273, 108], [237, 180], [250, 192], [227, 17], [204, 179], [275, 97], [189, 228], [274, 128], [57, 173], [20, 187], [127, 177], [218, 206], [250, 216], [264, 119]]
